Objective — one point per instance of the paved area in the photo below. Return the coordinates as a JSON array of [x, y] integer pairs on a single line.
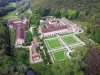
[[31, 30]]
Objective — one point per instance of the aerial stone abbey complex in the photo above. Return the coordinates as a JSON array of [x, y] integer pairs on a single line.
[[49, 27]]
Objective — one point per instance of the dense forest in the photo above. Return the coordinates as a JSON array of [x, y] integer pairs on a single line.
[[93, 62]]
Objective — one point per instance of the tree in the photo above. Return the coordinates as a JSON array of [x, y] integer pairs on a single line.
[[28, 39], [97, 35], [35, 32], [63, 12], [55, 12], [88, 30], [71, 14], [34, 20], [92, 60], [68, 67], [79, 53], [45, 11]]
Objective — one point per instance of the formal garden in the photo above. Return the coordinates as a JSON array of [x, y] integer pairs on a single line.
[[59, 55], [69, 39], [53, 43], [56, 46]]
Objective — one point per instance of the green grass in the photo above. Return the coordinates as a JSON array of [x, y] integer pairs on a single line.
[[60, 55], [54, 43], [10, 16], [28, 11], [69, 40], [65, 34], [22, 55], [12, 4], [50, 37], [12, 36], [79, 47], [71, 11], [37, 66], [84, 24], [40, 69]]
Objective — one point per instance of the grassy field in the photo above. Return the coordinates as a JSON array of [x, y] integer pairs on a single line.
[[40, 69], [69, 40], [12, 4], [12, 36], [79, 47], [10, 16], [59, 55], [54, 43], [28, 11], [84, 24]]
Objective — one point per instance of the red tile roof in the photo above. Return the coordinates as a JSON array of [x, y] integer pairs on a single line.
[[36, 42], [34, 52], [45, 30], [35, 55], [20, 33], [19, 25], [16, 23], [62, 24]]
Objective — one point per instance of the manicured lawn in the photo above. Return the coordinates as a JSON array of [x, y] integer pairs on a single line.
[[69, 40], [59, 55], [54, 43]]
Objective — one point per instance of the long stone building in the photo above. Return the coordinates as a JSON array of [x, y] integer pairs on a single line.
[[18, 26], [52, 26]]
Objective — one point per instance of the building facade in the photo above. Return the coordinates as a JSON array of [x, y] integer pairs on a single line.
[[18, 26], [34, 55], [55, 26]]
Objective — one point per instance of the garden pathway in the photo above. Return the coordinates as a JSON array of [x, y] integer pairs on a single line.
[[31, 30], [69, 50]]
